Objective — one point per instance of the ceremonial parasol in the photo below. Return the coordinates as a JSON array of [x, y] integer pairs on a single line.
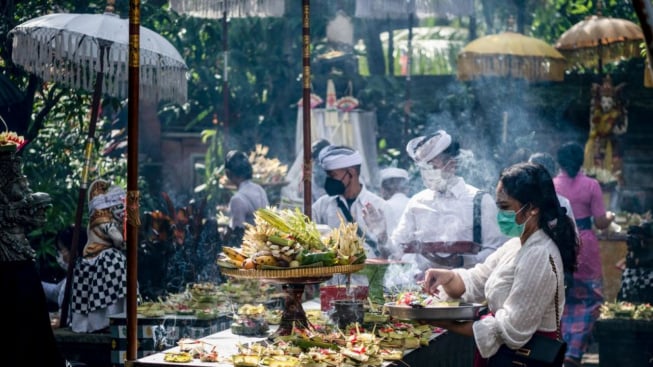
[[91, 52], [225, 9], [598, 39], [512, 55]]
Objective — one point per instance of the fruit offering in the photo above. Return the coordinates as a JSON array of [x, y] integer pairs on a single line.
[[287, 238]]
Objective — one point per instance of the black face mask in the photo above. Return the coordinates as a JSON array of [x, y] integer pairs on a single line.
[[334, 187]]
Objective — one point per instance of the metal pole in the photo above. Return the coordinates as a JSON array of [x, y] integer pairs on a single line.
[[133, 216], [306, 103], [408, 103], [225, 78]]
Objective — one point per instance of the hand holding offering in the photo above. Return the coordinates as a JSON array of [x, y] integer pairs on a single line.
[[435, 278]]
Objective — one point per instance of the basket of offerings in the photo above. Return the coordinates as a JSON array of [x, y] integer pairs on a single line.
[[285, 244]]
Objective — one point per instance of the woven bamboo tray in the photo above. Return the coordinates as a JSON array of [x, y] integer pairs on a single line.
[[307, 272]]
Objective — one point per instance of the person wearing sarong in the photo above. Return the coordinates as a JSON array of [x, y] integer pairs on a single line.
[[585, 294]]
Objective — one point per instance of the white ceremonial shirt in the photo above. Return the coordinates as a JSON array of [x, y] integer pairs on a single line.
[[397, 204], [448, 217], [249, 197], [326, 211], [519, 284]]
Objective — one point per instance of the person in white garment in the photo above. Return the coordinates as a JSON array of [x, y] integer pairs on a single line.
[[394, 189], [317, 181], [54, 292], [447, 224], [346, 197], [249, 197], [522, 282]]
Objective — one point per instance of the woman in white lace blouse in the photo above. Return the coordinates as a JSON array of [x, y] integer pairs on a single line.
[[517, 280]]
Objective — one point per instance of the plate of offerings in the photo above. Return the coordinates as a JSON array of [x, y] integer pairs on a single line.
[[415, 306]]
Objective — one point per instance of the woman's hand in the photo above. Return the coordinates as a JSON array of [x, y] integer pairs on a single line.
[[435, 278]]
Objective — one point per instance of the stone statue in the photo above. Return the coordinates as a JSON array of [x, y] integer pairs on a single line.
[[608, 120], [23, 299]]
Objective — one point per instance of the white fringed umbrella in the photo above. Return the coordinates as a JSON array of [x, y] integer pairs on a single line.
[[93, 52], [72, 49]]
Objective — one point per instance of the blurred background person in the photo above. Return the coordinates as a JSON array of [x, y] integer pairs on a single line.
[[54, 291], [637, 277], [319, 175], [394, 189], [585, 294], [457, 218], [249, 196], [548, 162]]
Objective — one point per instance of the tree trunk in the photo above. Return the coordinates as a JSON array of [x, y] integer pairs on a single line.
[[375, 57]]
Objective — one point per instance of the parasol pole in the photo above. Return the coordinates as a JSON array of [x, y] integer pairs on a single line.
[[225, 77], [83, 185], [133, 195], [407, 107], [306, 101], [599, 54]]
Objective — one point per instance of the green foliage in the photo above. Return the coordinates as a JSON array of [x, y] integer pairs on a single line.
[[213, 168], [53, 163]]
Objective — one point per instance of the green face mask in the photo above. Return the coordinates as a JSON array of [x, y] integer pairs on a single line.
[[508, 225]]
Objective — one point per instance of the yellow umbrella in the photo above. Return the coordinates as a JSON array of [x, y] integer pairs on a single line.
[[598, 39], [513, 55]]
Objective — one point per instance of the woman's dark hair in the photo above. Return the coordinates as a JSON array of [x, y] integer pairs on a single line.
[[570, 158], [238, 164], [531, 184]]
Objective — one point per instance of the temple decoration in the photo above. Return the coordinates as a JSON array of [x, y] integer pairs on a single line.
[[608, 121], [20, 209]]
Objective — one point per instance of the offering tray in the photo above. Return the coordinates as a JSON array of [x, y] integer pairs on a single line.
[[289, 275], [294, 281], [464, 311]]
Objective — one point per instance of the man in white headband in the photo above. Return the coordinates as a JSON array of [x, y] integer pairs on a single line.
[[394, 189], [447, 224], [347, 197]]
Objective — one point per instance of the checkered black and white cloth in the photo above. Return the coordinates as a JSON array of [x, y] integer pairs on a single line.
[[99, 282], [637, 285]]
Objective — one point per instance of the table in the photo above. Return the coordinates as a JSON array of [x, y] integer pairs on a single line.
[[445, 349], [92, 349], [156, 333]]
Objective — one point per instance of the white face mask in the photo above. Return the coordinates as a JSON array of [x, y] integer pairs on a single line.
[[433, 179]]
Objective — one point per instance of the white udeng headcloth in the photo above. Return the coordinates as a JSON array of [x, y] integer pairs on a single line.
[[336, 157], [423, 149], [113, 197], [393, 172]]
